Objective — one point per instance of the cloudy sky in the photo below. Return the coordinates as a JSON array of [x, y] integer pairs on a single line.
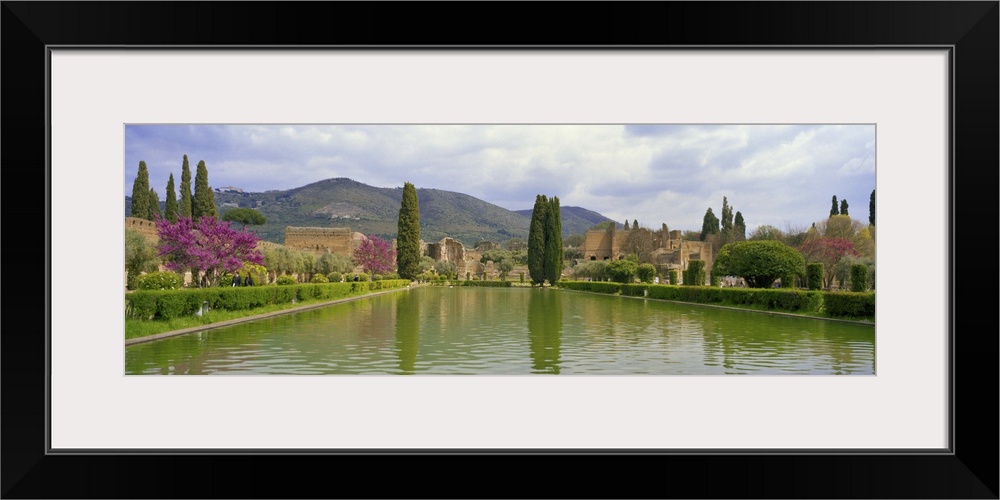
[[779, 175]]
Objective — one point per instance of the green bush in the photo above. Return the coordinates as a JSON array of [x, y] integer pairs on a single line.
[[673, 276], [646, 272], [814, 276], [285, 280], [634, 290], [788, 281], [695, 274], [622, 271], [334, 277], [859, 278], [319, 278], [159, 280]]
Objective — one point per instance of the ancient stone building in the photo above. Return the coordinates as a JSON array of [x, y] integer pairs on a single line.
[[146, 227], [670, 252], [451, 250], [320, 240]]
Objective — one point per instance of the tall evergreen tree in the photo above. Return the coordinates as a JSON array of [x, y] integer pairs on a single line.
[[626, 225], [843, 207], [154, 204], [536, 240], [184, 207], [204, 199], [727, 221], [833, 209], [871, 209], [408, 234], [553, 242], [709, 224], [140, 193], [739, 228], [635, 223], [170, 210]]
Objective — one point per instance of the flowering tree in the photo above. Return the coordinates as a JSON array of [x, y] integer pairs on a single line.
[[209, 245], [375, 255], [828, 251]]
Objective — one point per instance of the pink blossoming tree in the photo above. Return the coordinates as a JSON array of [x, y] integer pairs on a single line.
[[375, 255], [827, 251], [208, 245]]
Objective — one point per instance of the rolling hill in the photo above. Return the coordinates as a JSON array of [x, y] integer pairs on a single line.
[[344, 202]]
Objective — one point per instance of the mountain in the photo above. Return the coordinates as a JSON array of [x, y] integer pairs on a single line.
[[367, 209], [575, 220]]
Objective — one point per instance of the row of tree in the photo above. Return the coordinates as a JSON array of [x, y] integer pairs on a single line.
[[146, 202]]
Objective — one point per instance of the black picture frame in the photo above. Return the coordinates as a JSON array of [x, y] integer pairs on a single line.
[[969, 28]]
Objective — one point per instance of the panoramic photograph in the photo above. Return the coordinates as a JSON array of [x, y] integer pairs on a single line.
[[516, 250]]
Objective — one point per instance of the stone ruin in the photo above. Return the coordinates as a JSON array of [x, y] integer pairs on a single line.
[[671, 252]]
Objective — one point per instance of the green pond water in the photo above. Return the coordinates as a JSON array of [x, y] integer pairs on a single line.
[[493, 331]]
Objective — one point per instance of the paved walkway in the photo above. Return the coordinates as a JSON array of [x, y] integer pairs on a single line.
[[220, 324]]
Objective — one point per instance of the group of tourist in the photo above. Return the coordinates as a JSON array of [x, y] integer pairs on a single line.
[[247, 282]]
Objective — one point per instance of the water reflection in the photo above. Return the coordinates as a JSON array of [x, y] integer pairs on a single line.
[[545, 320], [407, 333], [470, 331]]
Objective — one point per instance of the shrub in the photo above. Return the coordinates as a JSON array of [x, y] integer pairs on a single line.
[[159, 280], [334, 277], [695, 274], [622, 271], [788, 281], [646, 273], [319, 278], [859, 278], [814, 276], [285, 280], [673, 276]]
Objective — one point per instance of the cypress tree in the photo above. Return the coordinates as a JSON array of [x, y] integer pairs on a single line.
[[833, 209], [740, 227], [171, 208], [635, 223], [843, 207], [408, 235], [140, 193], [203, 204], [536, 241], [553, 242], [626, 225], [709, 224], [727, 221], [186, 202], [154, 204], [871, 209]]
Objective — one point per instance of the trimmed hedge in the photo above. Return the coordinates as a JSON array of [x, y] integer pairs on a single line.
[[769, 298], [486, 283], [859, 278], [592, 286], [167, 304], [634, 290], [814, 276], [851, 304], [695, 274]]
